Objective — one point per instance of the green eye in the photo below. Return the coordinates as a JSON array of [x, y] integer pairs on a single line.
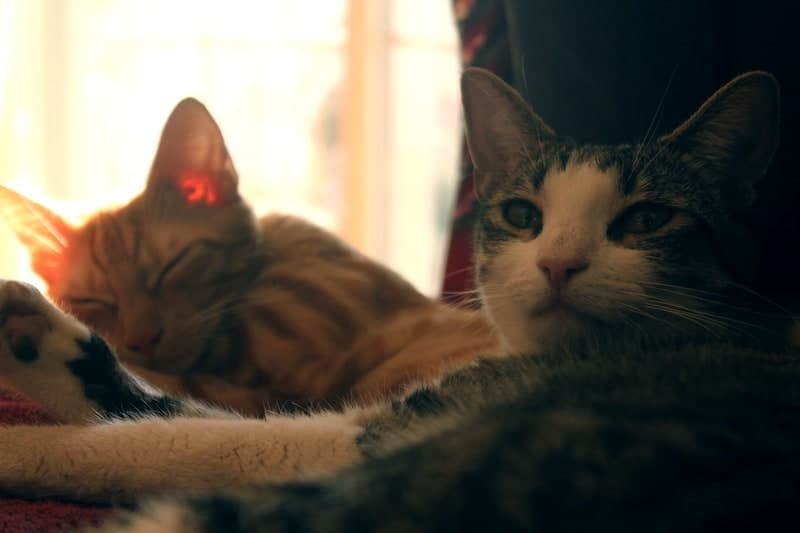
[[522, 215], [641, 219]]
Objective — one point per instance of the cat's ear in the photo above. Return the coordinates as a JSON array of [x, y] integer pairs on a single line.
[[45, 234], [501, 127], [192, 155], [731, 140]]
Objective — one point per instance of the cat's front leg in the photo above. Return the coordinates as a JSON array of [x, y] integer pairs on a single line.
[[57, 361], [125, 460]]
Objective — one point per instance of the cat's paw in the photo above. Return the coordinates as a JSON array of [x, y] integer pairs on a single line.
[[33, 332], [29, 325], [37, 344], [56, 360]]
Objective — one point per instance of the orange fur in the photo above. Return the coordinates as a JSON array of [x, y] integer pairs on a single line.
[[201, 299]]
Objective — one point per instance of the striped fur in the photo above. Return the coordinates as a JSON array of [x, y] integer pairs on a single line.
[[202, 299]]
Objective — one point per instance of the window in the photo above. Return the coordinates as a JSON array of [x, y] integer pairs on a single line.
[[344, 112]]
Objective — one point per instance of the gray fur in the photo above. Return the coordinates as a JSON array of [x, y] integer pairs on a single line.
[[697, 438]]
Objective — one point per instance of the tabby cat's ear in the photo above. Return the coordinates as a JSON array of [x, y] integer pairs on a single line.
[[731, 140], [45, 234], [192, 156], [501, 127]]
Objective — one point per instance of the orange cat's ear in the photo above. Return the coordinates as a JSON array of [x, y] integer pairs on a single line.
[[44, 233], [192, 156]]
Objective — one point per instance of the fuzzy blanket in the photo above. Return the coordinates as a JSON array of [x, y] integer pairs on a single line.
[[39, 516]]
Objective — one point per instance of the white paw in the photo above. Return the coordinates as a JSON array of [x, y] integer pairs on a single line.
[[36, 342], [32, 329]]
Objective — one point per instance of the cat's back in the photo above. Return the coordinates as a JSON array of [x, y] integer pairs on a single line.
[[296, 247], [689, 377], [711, 384], [652, 440], [696, 438], [286, 236], [321, 317]]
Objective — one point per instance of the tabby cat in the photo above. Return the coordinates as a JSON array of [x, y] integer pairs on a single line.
[[643, 389], [202, 299]]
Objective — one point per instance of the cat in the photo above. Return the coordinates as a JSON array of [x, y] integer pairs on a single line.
[[641, 387], [200, 298]]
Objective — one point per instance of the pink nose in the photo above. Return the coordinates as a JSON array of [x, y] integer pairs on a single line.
[[144, 342], [559, 271]]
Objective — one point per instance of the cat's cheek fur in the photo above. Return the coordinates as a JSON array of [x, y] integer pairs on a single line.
[[43, 374], [508, 288], [513, 287], [614, 283]]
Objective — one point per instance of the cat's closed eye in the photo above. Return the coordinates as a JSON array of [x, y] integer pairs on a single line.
[[90, 304], [190, 263], [640, 219], [522, 214], [199, 264], [174, 265]]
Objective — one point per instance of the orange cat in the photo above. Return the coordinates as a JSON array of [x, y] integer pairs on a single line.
[[200, 298]]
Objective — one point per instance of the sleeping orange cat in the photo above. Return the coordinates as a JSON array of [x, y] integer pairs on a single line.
[[203, 299]]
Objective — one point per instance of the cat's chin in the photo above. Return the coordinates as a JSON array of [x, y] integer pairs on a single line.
[[556, 310], [560, 326], [540, 328]]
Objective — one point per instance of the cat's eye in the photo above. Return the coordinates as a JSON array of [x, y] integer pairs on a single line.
[[641, 219], [522, 214]]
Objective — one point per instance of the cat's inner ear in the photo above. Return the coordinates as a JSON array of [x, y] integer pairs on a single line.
[[731, 140], [502, 130], [193, 157], [45, 234]]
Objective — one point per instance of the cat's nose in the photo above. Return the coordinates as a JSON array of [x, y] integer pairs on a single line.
[[144, 342], [560, 271]]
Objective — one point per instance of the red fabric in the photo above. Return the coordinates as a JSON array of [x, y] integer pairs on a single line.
[[458, 279], [39, 516], [483, 34]]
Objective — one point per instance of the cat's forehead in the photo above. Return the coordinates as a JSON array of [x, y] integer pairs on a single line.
[[148, 234], [579, 179], [579, 186], [597, 173], [124, 235], [556, 159]]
